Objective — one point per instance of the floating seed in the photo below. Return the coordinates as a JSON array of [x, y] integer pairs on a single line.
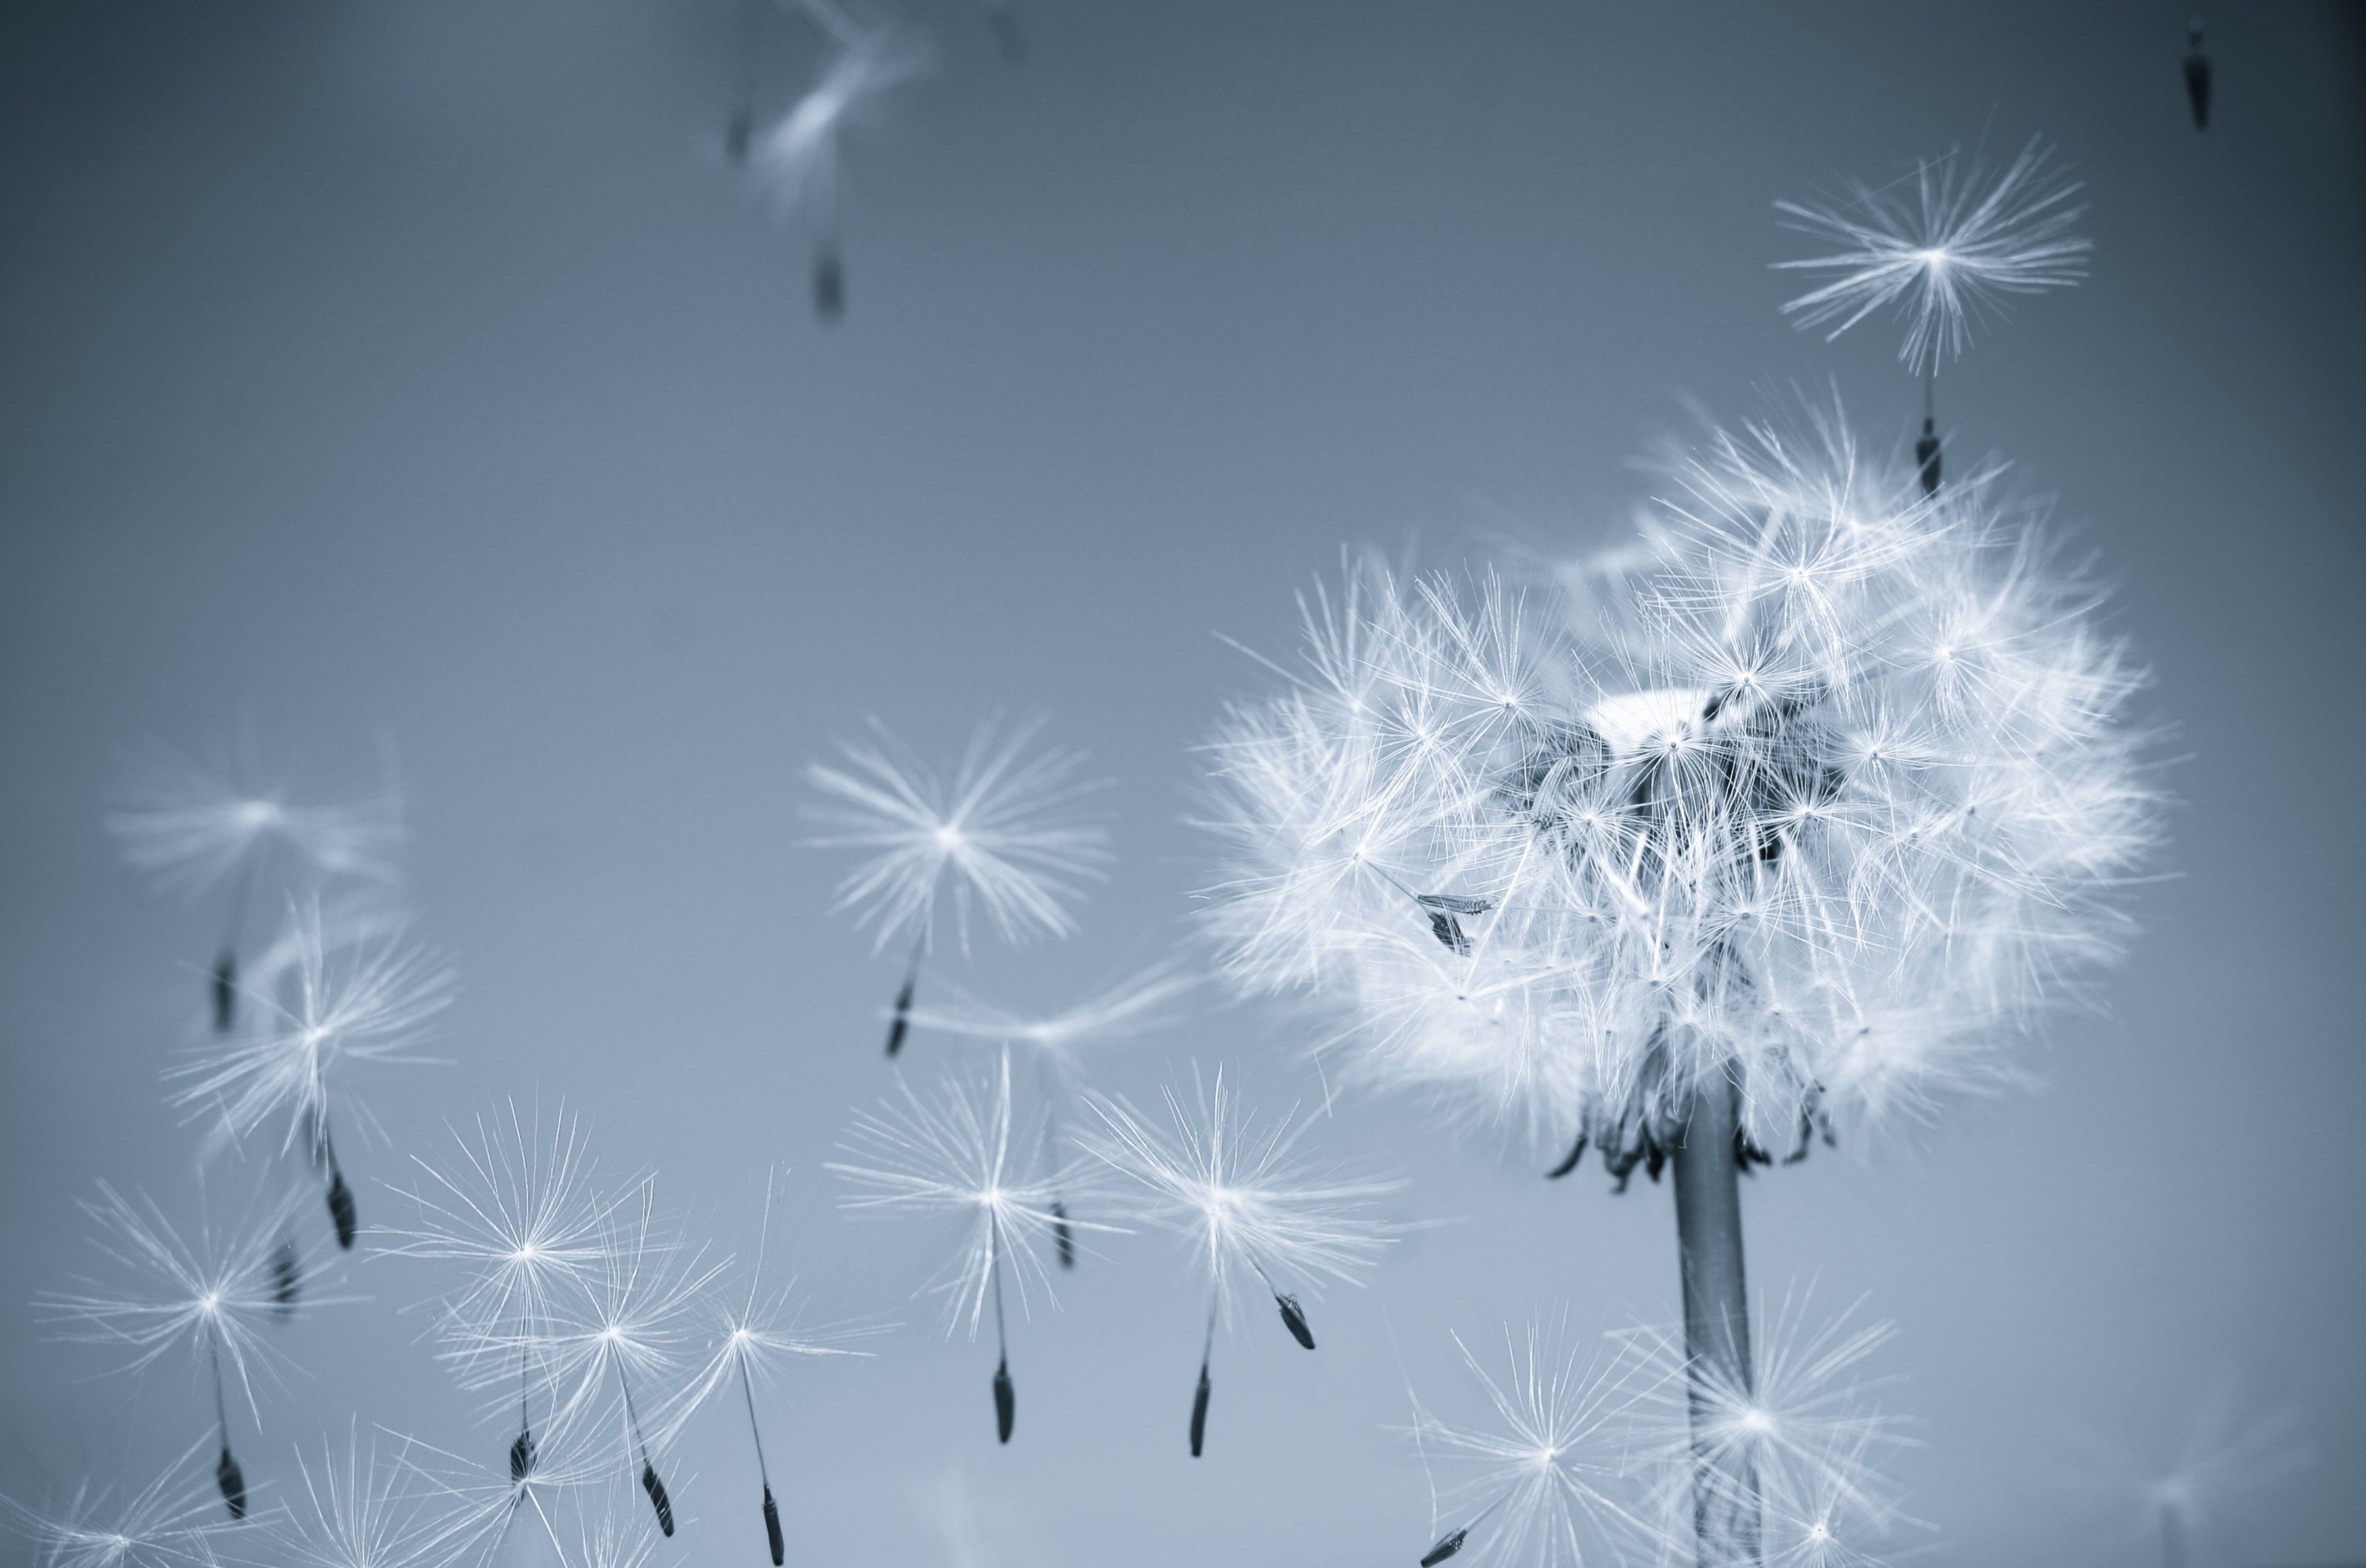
[[1293, 1319], [1926, 457], [287, 1276], [341, 1210], [2197, 76], [658, 1498], [1062, 1236], [1445, 1549], [232, 1481], [1449, 930], [1006, 1400], [829, 304], [737, 131], [225, 991], [1200, 1412], [903, 1019], [772, 1526]]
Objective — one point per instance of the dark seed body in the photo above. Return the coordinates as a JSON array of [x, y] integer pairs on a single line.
[[1926, 458], [521, 1458], [1062, 1236], [2197, 85], [1294, 1319], [287, 1276], [658, 1498], [1565, 1166], [1449, 930], [1005, 1402], [1200, 1412], [225, 991], [903, 1018], [341, 1210], [773, 1528], [232, 1481], [1445, 1549], [829, 304]]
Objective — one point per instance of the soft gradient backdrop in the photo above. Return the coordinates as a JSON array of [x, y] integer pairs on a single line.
[[419, 369]]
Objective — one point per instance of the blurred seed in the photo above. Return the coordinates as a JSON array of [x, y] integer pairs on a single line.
[[1006, 1400], [225, 991], [1199, 1412], [1565, 1166], [287, 1275], [903, 1019], [341, 1210], [829, 304], [2197, 76], [1926, 457], [1062, 1236]]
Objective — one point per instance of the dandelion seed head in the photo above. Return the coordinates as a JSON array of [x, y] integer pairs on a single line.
[[1743, 820], [191, 826]]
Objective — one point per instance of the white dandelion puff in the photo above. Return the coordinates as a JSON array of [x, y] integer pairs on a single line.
[[1537, 1481], [1239, 1192], [209, 1298], [517, 1211], [165, 1524], [1790, 820], [963, 1153], [758, 1336], [1944, 253], [330, 993], [355, 1512], [994, 837], [192, 827], [621, 1351]]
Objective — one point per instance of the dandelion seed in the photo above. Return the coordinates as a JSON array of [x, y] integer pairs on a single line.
[[2224, 1456], [1537, 1479], [191, 829], [963, 1153], [990, 837], [1790, 817], [756, 1339], [1238, 1190], [2197, 76], [632, 1327], [1945, 259], [796, 158], [164, 1524], [207, 1298], [1058, 1042], [517, 1211]]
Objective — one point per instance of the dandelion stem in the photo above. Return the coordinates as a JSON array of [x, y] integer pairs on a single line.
[[1717, 1317]]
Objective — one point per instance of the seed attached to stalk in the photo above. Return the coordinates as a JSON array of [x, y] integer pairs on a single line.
[[225, 985], [1062, 1238], [1006, 1400], [2197, 76], [1926, 457], [232, 1481], [1200, 1412], [522, 1456], [829, 301], [658, 1498], [341, 1210], [773, 1528], [1446, 1548], [287, 1277], [1294, 1319]]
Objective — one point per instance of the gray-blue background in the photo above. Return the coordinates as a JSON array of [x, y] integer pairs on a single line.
[[419, 369]]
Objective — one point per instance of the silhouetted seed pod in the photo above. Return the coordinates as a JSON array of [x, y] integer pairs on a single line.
[[1565, 1166], [903, 1018], [225, 991], [829, 304], [1293, 1319], [1062, 1238], [658, 1498], [2197, 76], [341, 1210], [232, 1481], [1449, 930], [1926, 457], [1200, 1412], [1006, 1400], [521, 1457], [773, 1528], [1445, 1549], [287, 1276]]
